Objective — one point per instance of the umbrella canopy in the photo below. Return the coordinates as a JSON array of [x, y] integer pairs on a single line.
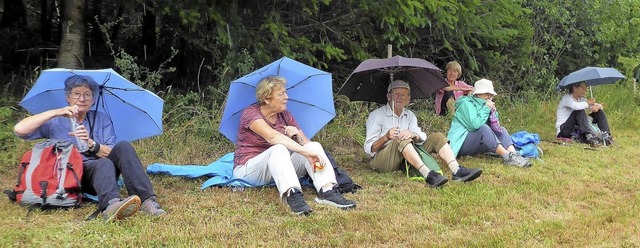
[[309, 89], [592, 76], [369, 81], [136, 113]]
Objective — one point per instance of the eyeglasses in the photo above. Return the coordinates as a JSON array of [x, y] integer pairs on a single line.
[[87, 96], [398, 95]]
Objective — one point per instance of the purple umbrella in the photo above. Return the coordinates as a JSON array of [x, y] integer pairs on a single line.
[[369, 81]]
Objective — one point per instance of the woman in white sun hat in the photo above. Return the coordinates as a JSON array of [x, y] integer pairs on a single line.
[[475, 128]]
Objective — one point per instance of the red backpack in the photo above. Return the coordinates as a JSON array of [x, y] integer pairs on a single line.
[[49, 176]]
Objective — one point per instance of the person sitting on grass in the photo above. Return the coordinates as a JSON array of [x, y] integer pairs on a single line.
[[475, 128], [571, 117], [455, 90], [272, 148], [391, 132], [105, 160]]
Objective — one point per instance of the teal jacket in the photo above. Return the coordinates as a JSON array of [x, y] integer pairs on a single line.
[[471, 113]]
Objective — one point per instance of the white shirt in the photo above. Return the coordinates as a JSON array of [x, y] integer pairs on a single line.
[[567, 105], [383, 119]]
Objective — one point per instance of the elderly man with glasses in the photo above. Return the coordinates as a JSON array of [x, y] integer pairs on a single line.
[[392, 131]]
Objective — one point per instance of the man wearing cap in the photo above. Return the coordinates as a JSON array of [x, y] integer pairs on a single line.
[[391, 131], [475, 128]]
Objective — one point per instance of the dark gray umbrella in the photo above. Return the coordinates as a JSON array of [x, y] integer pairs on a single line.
[[369, 81]]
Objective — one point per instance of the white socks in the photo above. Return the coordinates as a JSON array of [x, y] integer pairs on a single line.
[[454, 166], [424, 170]]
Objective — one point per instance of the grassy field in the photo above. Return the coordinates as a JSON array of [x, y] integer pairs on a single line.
[[573, 198]]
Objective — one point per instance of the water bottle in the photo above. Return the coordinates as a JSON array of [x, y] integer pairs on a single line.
[[81, 144]]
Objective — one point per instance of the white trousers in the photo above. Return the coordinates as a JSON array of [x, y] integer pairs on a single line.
[[277, 165]]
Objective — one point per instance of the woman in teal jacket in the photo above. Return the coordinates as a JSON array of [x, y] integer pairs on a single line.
[[473, 131]]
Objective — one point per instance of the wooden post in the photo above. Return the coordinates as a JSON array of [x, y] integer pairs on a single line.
[[389, 49], [635, 85]]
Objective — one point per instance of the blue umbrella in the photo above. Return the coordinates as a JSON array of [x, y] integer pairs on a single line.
[[309, 90], [136, 113], [592, 76]]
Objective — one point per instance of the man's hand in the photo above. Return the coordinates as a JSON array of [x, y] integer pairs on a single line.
[[393, 133], [406, 134]]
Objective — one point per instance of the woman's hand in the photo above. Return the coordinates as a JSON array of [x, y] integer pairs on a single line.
[[313, 157], [596, 107], [68, 111], [291, 131], [490, 104], [468, 91], [82, 133]]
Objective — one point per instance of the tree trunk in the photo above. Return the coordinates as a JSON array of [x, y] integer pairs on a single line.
[[149, 29], [72, 44], [45, 21]]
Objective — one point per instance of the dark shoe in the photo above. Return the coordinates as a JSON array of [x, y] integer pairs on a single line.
[[121, 209], [334, 198], [466, 175], [152, 207], [296, 202], [607, 140], [594, 143], [435, 180]]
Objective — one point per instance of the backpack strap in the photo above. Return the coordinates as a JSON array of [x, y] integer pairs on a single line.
[[23, 165], [43, 186], [75, 176]]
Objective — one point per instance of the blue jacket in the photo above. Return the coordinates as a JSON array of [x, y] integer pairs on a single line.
[[471, 113]]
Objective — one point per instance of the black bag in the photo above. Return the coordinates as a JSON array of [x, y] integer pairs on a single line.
[[345, 183]]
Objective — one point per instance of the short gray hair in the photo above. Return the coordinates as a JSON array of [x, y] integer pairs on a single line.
[[79, 80]]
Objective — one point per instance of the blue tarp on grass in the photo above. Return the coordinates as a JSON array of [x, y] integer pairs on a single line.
[[220, 173]]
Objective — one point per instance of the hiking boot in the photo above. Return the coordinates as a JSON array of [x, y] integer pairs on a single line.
[[607, 140], [296, 202], [121, 209], [435, 180], [334, 198], [516, 160], [593, 141], [466, 175], [152, 207]]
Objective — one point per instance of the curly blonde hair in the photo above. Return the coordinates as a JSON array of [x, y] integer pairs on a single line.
[[266, 86]]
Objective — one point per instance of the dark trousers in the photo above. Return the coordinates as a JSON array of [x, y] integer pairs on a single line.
[[443, 104], [100, 176], [578, 120]]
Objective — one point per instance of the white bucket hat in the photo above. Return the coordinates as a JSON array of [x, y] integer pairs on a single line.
[[483, 86]]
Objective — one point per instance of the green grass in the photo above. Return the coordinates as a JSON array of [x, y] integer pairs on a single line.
[[574, 198]]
